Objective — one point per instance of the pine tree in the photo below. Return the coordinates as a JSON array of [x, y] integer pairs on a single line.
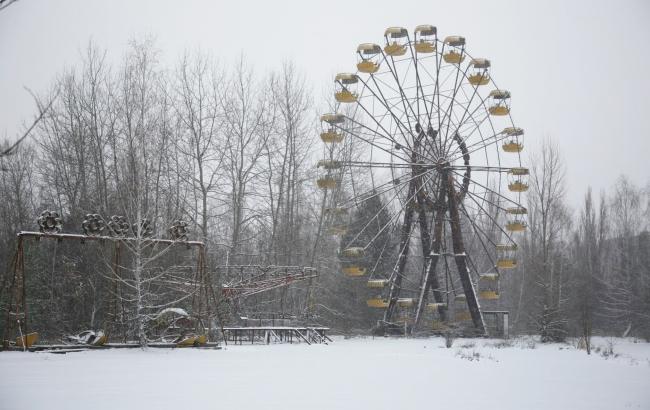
[[370, 229]]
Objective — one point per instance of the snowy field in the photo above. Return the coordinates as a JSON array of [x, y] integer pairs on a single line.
[[348, 374]]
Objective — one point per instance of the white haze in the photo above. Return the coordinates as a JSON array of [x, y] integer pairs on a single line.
[[578, 71]]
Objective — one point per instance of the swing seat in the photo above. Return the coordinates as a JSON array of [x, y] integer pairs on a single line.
[[187, 341], [89, 337], [100, 339], [28, 340]]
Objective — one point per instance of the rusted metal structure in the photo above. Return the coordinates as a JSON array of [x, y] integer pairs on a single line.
[[240, 281], [17, 313], [210, 301]]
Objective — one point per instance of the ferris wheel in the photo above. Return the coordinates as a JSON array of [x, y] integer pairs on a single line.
[[422, 131]]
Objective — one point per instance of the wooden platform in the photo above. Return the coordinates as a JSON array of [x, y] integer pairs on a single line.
[[84, 347], [277, 334]]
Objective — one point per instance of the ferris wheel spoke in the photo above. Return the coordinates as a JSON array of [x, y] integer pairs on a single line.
[[387, 102], [386, 84], [352, 182], [475, 269], [481, 168], [480, 233], [448, 142], [466, 106], [483, 144], [436, 89], [403, 245], [390, 223], [437, 98], [409, 199], [369, 142], [474, 198], [383, 249], [419, 90], [371, 193], [456, 123], [470, 247], [474, 121], [368, 131], [386, 134], [370, 164], [376, 216], [435, 93], [477, 123], [480, 103], [461, 122], [439, 105], [404, 129], [449, 110], [393, 70], [487, 189]]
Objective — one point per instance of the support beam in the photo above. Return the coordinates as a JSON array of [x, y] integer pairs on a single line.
[[461, 264], [83, 238], [405, 239], [430, 279]]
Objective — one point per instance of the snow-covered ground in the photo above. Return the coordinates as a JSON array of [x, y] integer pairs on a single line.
[[348, 374]]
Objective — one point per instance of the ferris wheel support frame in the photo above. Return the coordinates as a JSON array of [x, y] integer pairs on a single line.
[[405, 240], [460, 255], [430, 278]]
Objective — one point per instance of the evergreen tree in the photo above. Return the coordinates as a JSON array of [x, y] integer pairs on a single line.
[[369, 228]]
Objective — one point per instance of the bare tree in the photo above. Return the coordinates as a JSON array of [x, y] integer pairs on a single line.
[[43, 108], [287, 155], [249, 113], [6, 3], [589, 243], [548, 221], [626, 300], [17, 196], [141, 151], [198, 86]]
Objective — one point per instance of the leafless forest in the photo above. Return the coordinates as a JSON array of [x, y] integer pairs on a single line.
[[232, 150]]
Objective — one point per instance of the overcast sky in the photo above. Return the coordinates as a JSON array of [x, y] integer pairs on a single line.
[[579, 71]]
